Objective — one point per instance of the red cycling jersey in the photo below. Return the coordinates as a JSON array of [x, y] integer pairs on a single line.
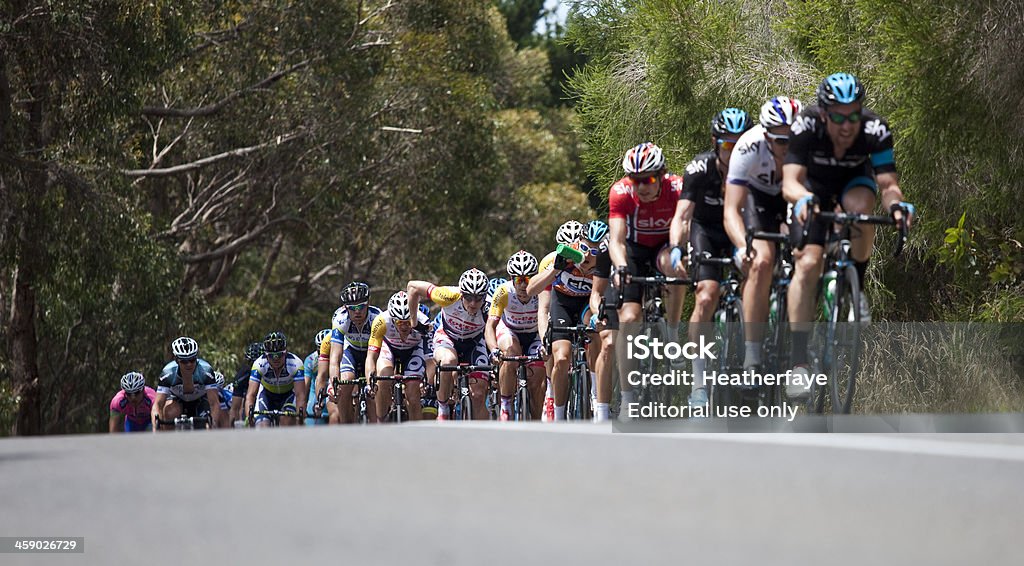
[[647, 223]]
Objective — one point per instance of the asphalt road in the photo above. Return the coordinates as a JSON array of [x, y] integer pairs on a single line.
[[571, 494]]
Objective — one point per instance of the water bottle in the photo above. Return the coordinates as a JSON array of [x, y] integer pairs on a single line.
[[830, 292]]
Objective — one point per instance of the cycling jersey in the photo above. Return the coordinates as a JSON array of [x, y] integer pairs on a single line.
[[829, 176], [457, 322], [752, 164], [278, 382], [241, 381], [702, 185], [573, 282], [347, 333], [384, 331], [325, 348], [170, 382], [224, 395], [137, 414], [647, 223], [311, 367], [516, 315]]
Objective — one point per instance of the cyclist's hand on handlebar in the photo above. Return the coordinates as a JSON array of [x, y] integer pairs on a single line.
[[804, 206], [496, 355], [742, 258], [903, 211], [619, 276]]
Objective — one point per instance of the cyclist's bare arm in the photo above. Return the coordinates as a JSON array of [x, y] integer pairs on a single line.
[[600, 285], [491, 332], [335, 362], [214, 401], [541, 281], [543, 308], [370, 367], [300, 395], [679, 230], [115, 423], [794, 176], [617, 241], [158, 407], [415, 290], [735, 198]]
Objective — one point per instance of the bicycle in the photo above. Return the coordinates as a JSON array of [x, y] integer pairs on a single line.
[[837, 353], [521, 401], [397, 413], [654, 327], [729, 334], [578, 406], [359, 396], [183, 422], [775, 345], [463, 409], [274, 416]]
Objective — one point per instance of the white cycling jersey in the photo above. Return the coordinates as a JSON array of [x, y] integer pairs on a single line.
[[752, 164]]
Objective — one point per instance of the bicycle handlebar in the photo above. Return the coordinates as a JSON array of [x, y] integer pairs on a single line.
[[465, 368], [520, 359], [849, 219], [394, 378], [658, 280]]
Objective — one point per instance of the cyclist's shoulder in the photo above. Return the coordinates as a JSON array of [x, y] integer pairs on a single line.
[[547, 261], [876, 129], [700, 165], [750, 143]]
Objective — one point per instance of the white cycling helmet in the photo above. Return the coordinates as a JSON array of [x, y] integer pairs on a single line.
[[644, 159], [473, 282], [219, 378], [398, 306], [522, 263], [319, 338], [132, 382], [185, 348], [780, 111], [568, 232]]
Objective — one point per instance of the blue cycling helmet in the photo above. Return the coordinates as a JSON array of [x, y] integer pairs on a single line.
[[731, 121], [493, 285], [840, 88], [595, 231]]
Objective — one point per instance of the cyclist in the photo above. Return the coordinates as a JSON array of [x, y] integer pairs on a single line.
[[186, 386], [605, 324], [840, 154], [699, 220], [240, 386], [570, 287], [312, 366], [566, 234], [640, 214], [131, 406], [753, 201], [281, 382], [397, 342], [512, 329], [225, 396], [460, 337], [350, 337]]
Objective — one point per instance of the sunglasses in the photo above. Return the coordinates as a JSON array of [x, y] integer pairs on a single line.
[[358, 307], [186, 361], [726, 144], [651, 180], [587, 249], [275, 355], [474, 298], [837, 118], [521, 279], [403, 323], [132, 394], [781, 139]]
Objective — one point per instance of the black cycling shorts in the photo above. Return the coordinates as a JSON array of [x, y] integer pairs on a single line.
[[710, 239], [764, 212], [565, 311], [641, 261]]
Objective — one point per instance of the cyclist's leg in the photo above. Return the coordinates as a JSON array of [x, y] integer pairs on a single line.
[[762, 212], [413, 364], [509, 345], [675, 294], [264, 403], [475, 353], [536, 379], [385, 389], [288, 403], [802, 297], [173, 409], [638, 258], [444, 355], [350, 369], [333, 405], [859, 197], [705, 302]]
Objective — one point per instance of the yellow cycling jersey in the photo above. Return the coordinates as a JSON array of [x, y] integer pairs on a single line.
[[516, 314], [384, 330], [325, 348]]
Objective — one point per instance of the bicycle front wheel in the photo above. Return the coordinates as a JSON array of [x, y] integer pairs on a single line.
[[843, 341]]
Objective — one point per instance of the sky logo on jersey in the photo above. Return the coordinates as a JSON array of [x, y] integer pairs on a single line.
[[877, 128], [653, 223], [695, 167]]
